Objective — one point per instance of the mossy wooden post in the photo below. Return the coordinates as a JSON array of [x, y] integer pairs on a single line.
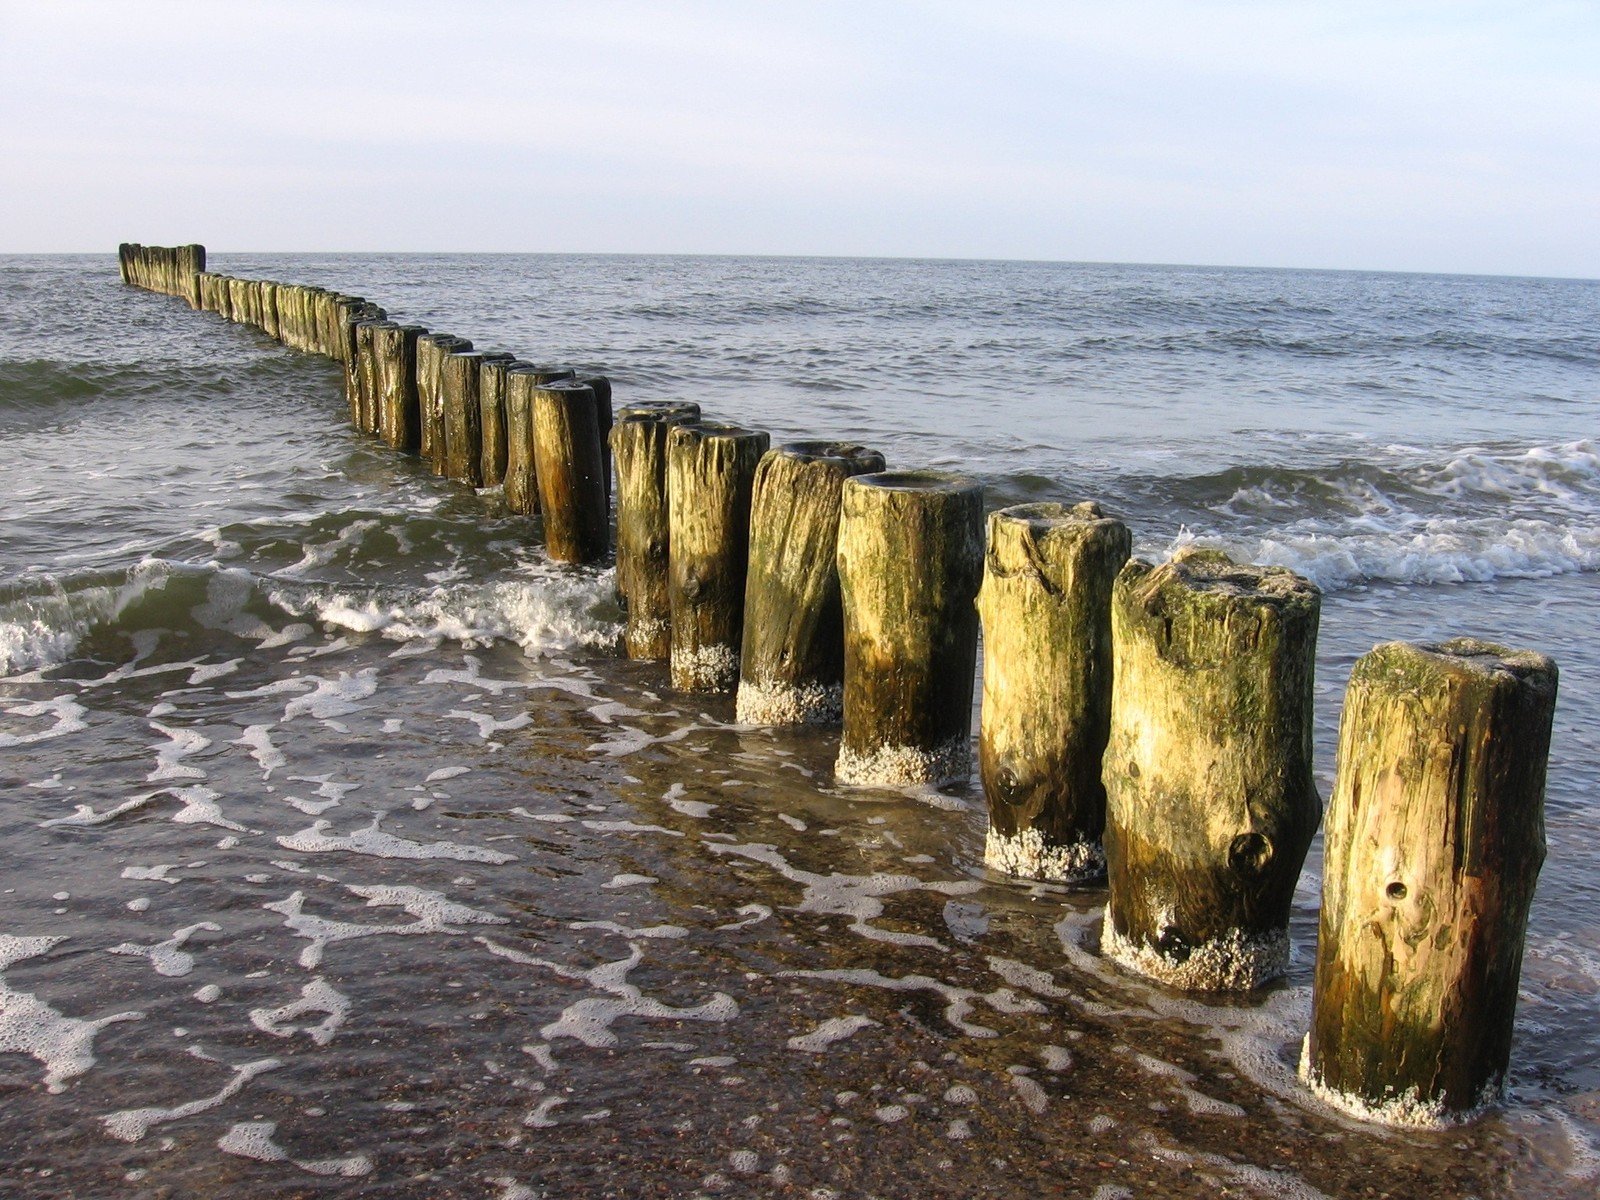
[[460, 455], [1210, 800], [1045, 605], [566, 449], [791, 664], [601, 387], [431, 351], [639, 449], [711, 470], [395, 349], [492, 383], [361, 374], [191, 261], [522, 479], [269, 308], [238, 300], [125, 261], [1435, 836], [910, 562]]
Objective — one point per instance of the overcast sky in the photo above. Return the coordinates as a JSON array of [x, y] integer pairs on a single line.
[[1385, 134]]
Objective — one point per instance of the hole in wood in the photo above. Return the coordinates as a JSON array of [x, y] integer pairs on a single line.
[[1395, 891], [1249, 854]]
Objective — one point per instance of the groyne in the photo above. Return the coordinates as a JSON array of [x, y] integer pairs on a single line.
[[1145, 724]]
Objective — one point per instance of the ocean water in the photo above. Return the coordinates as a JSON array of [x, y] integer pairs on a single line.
[[342, 856]]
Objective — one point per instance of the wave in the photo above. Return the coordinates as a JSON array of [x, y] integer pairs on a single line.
[[47, 622]]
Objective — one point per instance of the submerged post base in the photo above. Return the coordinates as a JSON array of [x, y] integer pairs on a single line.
[[1235, 962], [906, 766], [789, 704], [1027, 855], [1406, 1110]]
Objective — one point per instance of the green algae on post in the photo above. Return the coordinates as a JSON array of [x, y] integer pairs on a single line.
[[1435, 837], [1210, 800], [791, 666], [910, 562], [1046, 610]]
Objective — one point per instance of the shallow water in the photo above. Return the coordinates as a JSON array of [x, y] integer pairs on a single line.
[[342, 856]]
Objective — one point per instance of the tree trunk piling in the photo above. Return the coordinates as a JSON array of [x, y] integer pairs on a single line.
[[1435, 837], [460, 455], [492, 384], [711, 471], [394, 348], [432, 348], [638, 443], [522, 476], [1045, 605], [791, 662], [910, 560], [601, 387], [566, 447], [1211, 804]]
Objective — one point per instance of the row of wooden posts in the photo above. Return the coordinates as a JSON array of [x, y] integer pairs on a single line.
[[1149, 724]]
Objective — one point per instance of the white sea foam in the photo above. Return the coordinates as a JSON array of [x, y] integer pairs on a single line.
[[488, 724], [258, 740], [68, 717], [855, 896], [375, 842], [168, 957], [318, 996], [544, 613], [63, 1045], [333, 698], [42, 630], [589, 1020], [133, 1124], [180, 744], [254, 1139], [433, 913], [834, 1029]]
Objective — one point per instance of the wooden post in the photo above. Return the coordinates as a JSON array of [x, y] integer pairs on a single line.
[[395, 349], [191, 261], [711, 470], [431, 351], [492, 384], [460, 452], [566, 448], [361, 374], [1210, 800], [601, 386], [639, 447], [522, 481], [910, 562], [1435, 837], [791, 663], [1045, 605], [269, 308]]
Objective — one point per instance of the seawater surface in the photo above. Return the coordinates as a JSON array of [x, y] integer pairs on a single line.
[[341, 854]]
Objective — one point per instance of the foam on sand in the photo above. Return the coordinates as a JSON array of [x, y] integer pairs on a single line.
[[834, 1029], [373, 841], [432, 912], [169, 957], [590, 1019], [253, 1139], [133, 1124], [63, 1045], [318, 996]]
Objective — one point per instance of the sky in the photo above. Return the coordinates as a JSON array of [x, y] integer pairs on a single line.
[[1397, 135]]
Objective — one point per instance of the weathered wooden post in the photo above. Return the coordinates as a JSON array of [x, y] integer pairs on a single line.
[[639, 448], [566, 448], [1045, 605], [191, 261], [460, 452], [1210, 800], [395, 349], [711, 470], [269, 308], [492, 384], [910, 562], [1435, 836], [601, 386], [361, 374], [125, 261], [431, 351], [522, 481], [238, 300], [791, 663]]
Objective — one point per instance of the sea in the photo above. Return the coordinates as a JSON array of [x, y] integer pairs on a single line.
[[342, 855]]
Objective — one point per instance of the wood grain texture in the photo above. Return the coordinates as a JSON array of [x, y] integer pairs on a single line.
[[791, 663], [1210, 800], [711, 470], [566, 449], [522, 475], [1045, 605], [1435, 837], [639, 451], [910, 561], [394, 348]]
